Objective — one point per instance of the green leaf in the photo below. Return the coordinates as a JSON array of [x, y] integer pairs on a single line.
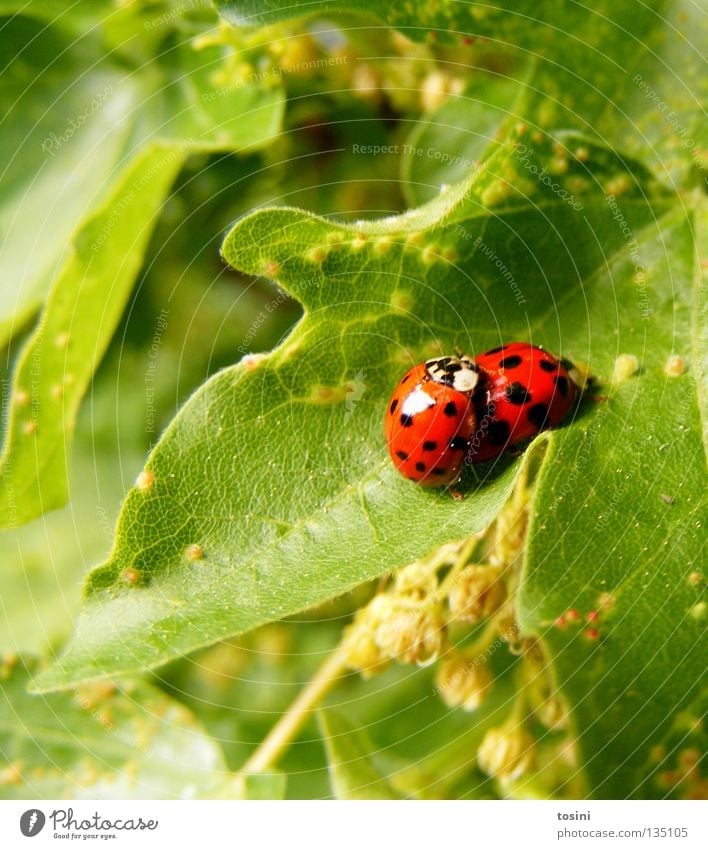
[[272, 490], [123, 741], [67, 130], [174, 111], [60, 357], [352, 770], [619, 514]]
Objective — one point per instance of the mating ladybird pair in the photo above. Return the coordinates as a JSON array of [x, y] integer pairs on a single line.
[[451, 409]]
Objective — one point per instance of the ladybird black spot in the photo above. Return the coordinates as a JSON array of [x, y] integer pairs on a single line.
[[517, 394], [495, 350], [420, 467], [510, 362], [567, 365], [438, 470], [429, 445], [538, 415], [401, 455], [547, 365], [498, 432], [406, 420], [450, 409], [562, 384], [458, 443], [394, 404]]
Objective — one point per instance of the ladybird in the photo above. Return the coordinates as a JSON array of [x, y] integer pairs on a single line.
[[523, 390], [431, 418]]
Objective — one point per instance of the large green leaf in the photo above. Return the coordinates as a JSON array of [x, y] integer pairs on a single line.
[[272, 489], [619, 518], [127, 152], [126, 741]]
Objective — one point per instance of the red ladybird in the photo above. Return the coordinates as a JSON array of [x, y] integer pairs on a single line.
[[523, 390], [430, 419]]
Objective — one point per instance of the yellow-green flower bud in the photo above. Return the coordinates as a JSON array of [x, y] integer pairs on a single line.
[[478, 593], [506, 752], [411, 635], [463, 682]]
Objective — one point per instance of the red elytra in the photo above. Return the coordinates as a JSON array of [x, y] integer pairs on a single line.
[[430, 420], [523, 390]]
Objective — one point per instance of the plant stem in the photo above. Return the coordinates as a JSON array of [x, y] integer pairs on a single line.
[[282, 733]]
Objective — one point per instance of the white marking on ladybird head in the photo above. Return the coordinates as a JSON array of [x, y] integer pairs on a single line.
[[416, 402], [460, 373]]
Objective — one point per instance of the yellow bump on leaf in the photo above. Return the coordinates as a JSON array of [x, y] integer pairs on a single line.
[[430, 254], [252, 361], [56, 391], [402, 300], [194, 552], [130, 576], [11, 775], [62, 340], [69, 378], [450, 255], [558, 166], [145, 480], [657, 753], [29, 427], [383, 244], [335, 238], [22, 397], [359, 241], [415, 239], [582, 154], [271, 269], [626, 366], [618, 185], [674, 366], [327, 394], [698, 611], [695, 579], [318, 254], [496, 193]]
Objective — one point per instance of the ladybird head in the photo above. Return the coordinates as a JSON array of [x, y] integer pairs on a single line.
[[461, 373]]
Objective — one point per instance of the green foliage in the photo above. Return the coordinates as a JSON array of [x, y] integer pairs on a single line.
[[552, 163], [114, 161], [126, 741]]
